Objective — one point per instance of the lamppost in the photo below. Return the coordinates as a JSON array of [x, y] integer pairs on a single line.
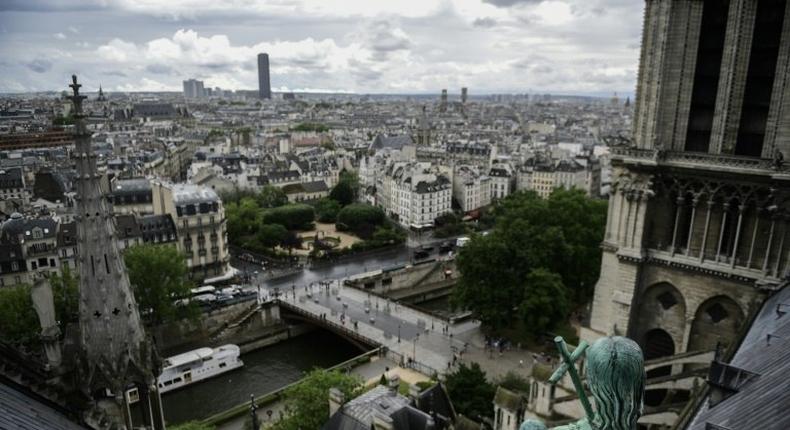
[[398, 332], [414, 350]]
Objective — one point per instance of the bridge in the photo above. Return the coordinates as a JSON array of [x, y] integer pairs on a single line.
[[411, 337]]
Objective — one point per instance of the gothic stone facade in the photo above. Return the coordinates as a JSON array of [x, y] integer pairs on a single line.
[[696, 235]]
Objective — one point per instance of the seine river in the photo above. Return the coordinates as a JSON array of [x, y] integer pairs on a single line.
[[264, 370]]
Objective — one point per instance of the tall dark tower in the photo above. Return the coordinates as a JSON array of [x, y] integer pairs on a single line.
[[443, 103], [698, 228], [264, 85], [115, 354]]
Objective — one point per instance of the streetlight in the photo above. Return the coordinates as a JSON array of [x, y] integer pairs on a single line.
[[398, 332], [414, 351]]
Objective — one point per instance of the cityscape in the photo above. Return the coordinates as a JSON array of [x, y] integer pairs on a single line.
[[450, 215]]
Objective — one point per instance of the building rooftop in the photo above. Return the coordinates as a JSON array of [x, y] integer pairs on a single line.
[[761, 400], [190, 194]]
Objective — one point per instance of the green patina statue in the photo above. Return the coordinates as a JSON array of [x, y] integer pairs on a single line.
[[616, 378]]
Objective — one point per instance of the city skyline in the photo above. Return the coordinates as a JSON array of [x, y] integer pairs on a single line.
[[492, 46]]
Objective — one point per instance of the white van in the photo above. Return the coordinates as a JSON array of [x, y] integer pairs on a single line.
[[461, 241]]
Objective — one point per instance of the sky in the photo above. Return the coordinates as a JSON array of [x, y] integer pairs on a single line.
[[360, 46]]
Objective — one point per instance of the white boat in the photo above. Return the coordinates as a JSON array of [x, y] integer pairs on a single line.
[[193, 366]]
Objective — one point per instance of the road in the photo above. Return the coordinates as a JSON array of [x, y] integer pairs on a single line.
[[349, 266]]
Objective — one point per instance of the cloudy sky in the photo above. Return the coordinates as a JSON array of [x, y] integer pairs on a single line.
[[364, 46]]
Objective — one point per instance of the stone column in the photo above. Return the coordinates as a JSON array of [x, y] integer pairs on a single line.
[[725, 212], [777, 130], [741, 208], [694, 202], [732, 79], [767, 256], [705, 233], [679, 202]]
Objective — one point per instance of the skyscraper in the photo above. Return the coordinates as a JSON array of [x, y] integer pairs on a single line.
[[443, 105], [264, 85], [463, 94], [193, 89], [699, 214]]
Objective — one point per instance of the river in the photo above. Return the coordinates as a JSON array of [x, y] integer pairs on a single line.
[[264, 370]]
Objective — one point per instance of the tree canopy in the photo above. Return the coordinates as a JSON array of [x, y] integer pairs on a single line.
[[296, 216], [18, 320], [360, 218], [470, 391], [560, 234], [307, 403], [327, 209], [271, 197], [158, 274], [546, 303]]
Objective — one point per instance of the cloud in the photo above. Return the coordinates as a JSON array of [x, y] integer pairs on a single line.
[[59, 36], [39, 65], [510, 3], [159, 69], [372, 47], [485, 22]]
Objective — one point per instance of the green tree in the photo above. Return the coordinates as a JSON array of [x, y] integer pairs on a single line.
[[343, 193], [271, 197], [560, 234], [271, 235], [66, 295], [360, 218], [243, 219], [18, 320], [546, 303], [290, 241], [295, 216], [326, 210], [307, 403], [158, 274], [191, 425], [470, 391]]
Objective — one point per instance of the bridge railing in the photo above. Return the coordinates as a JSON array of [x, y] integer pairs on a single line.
[[354, 334], [408, 363]]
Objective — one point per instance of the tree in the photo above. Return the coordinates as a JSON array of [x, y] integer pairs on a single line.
[[545, 304], [560, 234], [295, 216], [290, 241], [342, 193], [66, 294], [271, 235], [243, 219], [18, 319], [191, 425], [470, 391], [360, 218], [326, 210], [307, 403], [158, 274], [271, 197]]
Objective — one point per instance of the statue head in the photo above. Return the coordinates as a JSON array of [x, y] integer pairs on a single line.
[[616, 375]]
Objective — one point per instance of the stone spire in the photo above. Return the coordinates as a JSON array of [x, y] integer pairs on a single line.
[[115, 351], [101, 97]]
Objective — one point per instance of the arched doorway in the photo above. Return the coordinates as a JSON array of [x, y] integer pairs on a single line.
[[655, 344], [661, 306], [716, 321]]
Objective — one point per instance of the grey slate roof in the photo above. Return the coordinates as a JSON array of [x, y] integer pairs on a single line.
[[21, 411], [393, 142], [764, 401]]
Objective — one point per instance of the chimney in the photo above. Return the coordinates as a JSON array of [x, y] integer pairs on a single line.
[[336, 400], [382, 422]]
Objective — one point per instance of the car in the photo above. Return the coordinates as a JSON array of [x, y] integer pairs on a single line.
[[421, 254]]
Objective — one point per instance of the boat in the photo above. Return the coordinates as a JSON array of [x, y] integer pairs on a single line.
[[190, 367]]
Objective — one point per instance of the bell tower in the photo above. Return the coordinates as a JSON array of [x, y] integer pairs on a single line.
[[116, 355], [697, 233]]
